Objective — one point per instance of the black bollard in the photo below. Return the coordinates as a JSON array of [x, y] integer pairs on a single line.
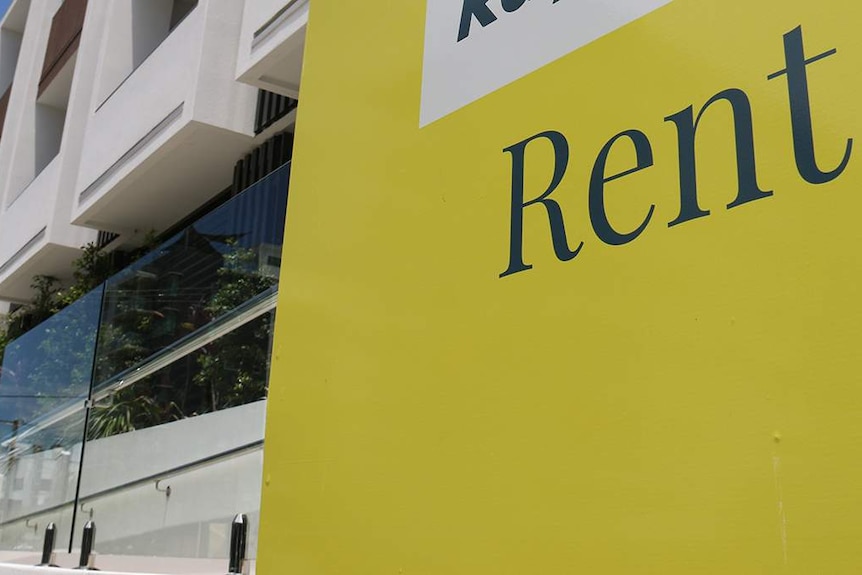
[[48, 546], [87, 541], [238, 536]]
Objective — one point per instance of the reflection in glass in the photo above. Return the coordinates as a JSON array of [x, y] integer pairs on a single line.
[[223, 260], [209, 455], [228, 372], [51, 364], [44, 383], [38, 476]]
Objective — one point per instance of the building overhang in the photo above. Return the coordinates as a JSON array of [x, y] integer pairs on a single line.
[[271, 52], [152, 189]]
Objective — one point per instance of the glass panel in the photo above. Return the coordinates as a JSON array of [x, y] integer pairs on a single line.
[[44, 383], [223, 260], [227, 372], [38, 477], [195, 426], [50, 365], [23, 537]]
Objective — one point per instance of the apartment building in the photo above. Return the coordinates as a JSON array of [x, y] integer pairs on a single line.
[[158, 133]]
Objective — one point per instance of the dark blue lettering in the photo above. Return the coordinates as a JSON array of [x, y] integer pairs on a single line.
[[474, 8], [800, 110], [686, 125], [598, 215], [555, 214], [512, 5]]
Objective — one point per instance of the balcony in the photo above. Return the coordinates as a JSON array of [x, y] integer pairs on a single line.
[[272, 44], [31, 243], [166, 126], [38, 149], [19, 242], [173, 352]]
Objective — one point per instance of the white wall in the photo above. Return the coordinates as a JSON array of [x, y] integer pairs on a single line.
[[156, 88], [28, 213], [192, 522], [77, 110], [20, 160], [134, 29], [258, 12], [122, 458], [218, 99], [39, 157], [273, 60], [166, 140]]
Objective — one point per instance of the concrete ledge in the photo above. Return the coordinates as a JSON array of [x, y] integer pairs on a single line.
[[22, 563], [11, 569]]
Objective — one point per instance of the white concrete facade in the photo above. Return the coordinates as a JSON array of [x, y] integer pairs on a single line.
[[37, 151], [142, 126], [271, 44], [162, 134]]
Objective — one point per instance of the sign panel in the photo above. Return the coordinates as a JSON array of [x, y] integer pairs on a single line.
[[571, 303], [474, 47]]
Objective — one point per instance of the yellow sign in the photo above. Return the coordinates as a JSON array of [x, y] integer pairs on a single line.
[[571, 287]]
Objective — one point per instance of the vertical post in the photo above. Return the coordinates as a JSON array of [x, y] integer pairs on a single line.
[[48, 546], [87, 541], [88, 405], [238, 537]]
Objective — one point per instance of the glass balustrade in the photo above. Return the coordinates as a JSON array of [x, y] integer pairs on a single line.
[[174, 352], [221, 261], [51, 364], [182, 480], [38, 481], [44, 383]]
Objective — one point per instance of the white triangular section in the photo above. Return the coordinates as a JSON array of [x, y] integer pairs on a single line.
[[456, 73]]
